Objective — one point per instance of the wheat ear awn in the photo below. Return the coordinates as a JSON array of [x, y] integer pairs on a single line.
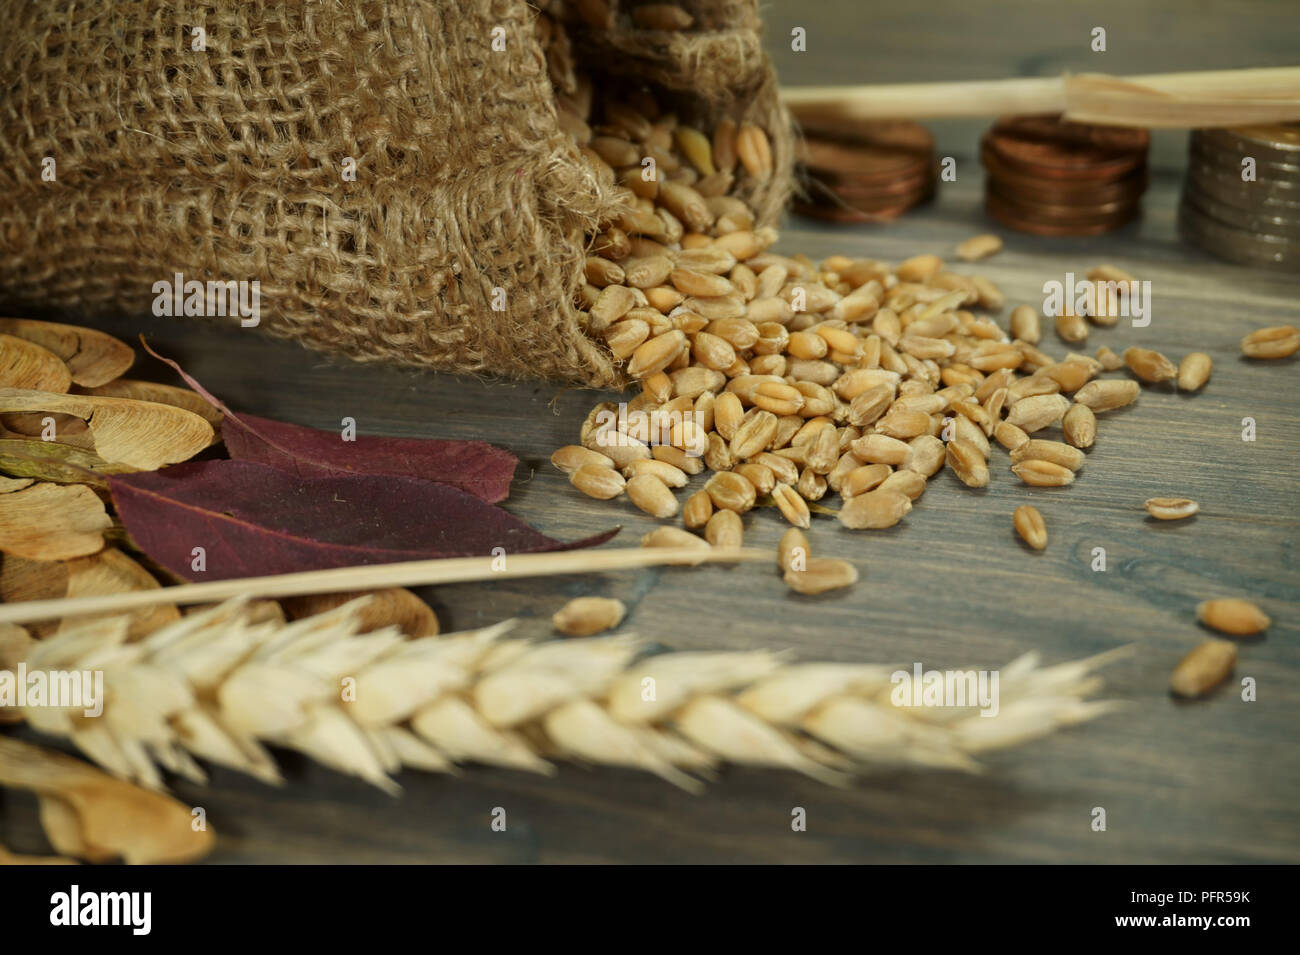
[[216, 686]]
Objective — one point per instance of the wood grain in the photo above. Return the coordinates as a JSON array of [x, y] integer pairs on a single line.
[[1213, 781]]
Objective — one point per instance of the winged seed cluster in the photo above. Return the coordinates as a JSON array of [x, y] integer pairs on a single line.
[[219, 686]]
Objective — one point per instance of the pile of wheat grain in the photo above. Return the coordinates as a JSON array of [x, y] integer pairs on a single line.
[[790, 379]]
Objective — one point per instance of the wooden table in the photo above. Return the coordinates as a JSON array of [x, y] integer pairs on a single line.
[[1212, 781]]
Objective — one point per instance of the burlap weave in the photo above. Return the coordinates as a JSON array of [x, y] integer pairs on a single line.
[[226, 164]]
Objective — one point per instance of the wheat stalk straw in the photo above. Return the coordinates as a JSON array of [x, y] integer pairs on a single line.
[[416, 573], [218, 686], [1159, 100]]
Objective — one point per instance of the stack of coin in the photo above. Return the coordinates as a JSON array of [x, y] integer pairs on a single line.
[[863, 172], [1051, 177], [1245, 212]]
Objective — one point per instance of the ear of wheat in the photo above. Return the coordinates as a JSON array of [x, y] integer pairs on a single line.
[[221, 687]]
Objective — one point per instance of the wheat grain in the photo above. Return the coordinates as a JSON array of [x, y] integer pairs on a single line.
[[808, 374], [585, 616], [1279, 341], [979, 247], [1204, 668], [725, 529], [1030, 526], [1194, 371], [793, 550], [1171, 508], [1232, 615], [1149, 365], [822, 575]]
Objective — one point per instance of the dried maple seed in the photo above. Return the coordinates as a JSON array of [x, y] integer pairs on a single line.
[[584, 616], [1204, 668], [1232, 615], [1194, 371], [1280, 341], [1171, 508], [821, 575]]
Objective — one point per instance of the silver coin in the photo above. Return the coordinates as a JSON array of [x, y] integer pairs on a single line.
[[1245, 219], [1285, 191], [1235, 245], [1230, 163], [1243, 195], [1277, 142]]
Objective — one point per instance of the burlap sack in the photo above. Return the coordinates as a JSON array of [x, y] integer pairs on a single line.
[[227, 165]]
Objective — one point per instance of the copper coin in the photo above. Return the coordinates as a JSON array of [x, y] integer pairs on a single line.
[[816, 194], [1059, 212], [1069, 154], [873, 162], [1051, 127], [1010, 216], [1066, 191], [847, 213], [870, 188], [899, 136]]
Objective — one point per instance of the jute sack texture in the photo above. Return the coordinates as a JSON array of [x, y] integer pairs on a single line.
[[227, 165]]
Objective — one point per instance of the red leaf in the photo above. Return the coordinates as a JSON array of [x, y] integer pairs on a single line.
[[475, 467], [252, 519]]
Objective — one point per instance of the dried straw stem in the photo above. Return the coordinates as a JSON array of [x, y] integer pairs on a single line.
[[415, 573], [1165, 100], [217, 686]]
